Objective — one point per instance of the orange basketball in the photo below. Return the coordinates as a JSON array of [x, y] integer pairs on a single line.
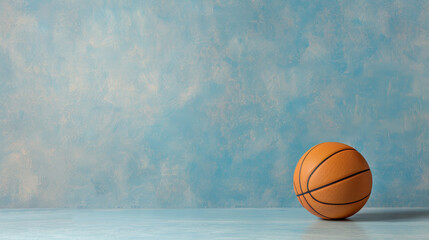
[[332, 180]]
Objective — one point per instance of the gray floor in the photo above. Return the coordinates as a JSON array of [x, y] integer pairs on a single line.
[[292, 223]]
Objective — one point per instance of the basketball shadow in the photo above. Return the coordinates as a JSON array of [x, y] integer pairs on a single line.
[[392, 215]]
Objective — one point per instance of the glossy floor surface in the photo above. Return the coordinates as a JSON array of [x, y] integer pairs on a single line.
[[292, 223]]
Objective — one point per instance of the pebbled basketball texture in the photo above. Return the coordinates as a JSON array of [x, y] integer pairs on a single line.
[[332, 180]]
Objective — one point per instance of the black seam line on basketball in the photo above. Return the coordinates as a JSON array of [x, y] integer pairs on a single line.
[[320, 164], [308, 180], [315, 209], [301, 186], [339, 180], [340, 203], [294, 188], [324, 160], [299, 180], [300, 167]]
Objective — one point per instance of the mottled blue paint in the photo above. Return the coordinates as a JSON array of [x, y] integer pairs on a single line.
[[207, 103]]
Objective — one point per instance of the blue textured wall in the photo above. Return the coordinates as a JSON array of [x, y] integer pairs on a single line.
[[207, 103]]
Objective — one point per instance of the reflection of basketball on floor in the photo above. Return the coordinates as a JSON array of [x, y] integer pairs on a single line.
[[332, 180], [344, 229]]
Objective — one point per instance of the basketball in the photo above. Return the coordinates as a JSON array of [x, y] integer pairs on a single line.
[[332, 180]]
